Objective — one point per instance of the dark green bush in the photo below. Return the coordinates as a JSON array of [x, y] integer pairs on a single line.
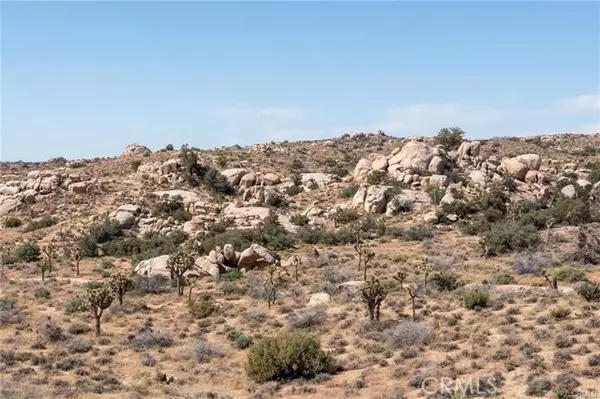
[[41, 293], [445, 281], [376, 177], [415, 233], [476, 299], [293, 190], [349, 191], [42, 223], [345, 216], [147, 246], [12, 222], [196, 174], [570, 274], [240, 340], [508, 236], [202, 309], [79, 328], [314, 236], [289, 355], [75, 305], [450, 138], [173, 207], [299, 219], [28, 252], [504, 279], [100, 234]]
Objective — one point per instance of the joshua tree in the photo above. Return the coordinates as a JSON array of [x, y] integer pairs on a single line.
[[365, 255], [274, 279], [368, 255], [413, 293], [43, 265], [98, 299], [119, 284], [400, 277], [296, 261], [192, 277], [49, 252], [179, 263], [425, 269], [553, 282], [76, 253], [373, 294]]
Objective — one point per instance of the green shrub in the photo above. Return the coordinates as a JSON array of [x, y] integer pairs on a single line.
[[504, 279], [508, 236], [232, 275], [299, 219], [289, 355], [294, 190], [476, 299], [202, 309], [589, 290], [445, 280], [28, 252], [149, 245], [435, 194], [376, 177], [240, 340], [134, 164], [75, 305], [100, 234], [79, 328], [570, 274], [560, 313], [41, 293], [450, 138], [414, 233], [314, 236], [173, 207], [196, 174], [12, 222], [42, 223], [345, 216], [349, 191]]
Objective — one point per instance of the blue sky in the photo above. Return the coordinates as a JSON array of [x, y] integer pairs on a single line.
[[84, 79]]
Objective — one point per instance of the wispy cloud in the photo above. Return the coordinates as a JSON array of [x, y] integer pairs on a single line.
[[580, 104]]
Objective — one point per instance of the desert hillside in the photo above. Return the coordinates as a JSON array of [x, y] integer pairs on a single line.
[[362, 266]]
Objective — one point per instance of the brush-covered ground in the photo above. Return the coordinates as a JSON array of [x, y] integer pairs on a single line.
[[521, 339]]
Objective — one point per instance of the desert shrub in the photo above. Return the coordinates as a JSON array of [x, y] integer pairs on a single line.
[[28, 252], [205, 351], [156, 284], [313, 236], [588, 247], [569, 274], [530, 262], [572, 211], [239, 340], [413, 233], [70, 363], [149, 245], [79, 346], [79, 328], [9, 312], [255, 315], [173, 207], [565, 386], [450, 137], [560, 313], [504, 278], [135, 164], [409, 333], [376, 177], [349, 191], [594, 361], [41, 293], [589, 290], [309, 318], [288, 355], [51, 332], [476, 299], [232, 275], [435, 194], [12, 222], [345, 216], [99, 234], [146, 359], [299, 219], [202, 309], [42, 223], [144, 338], [445, 280], [276, 201], [293, 190], [538, 386], [401, 205], [75, 305], [508, 236]]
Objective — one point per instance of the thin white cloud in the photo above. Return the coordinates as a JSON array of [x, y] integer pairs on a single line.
[[580, 104]]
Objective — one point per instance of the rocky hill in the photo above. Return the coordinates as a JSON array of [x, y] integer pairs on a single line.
[[412, 265]]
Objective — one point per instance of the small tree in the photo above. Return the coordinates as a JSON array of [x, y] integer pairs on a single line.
[[274, 279], [413, 293], [192, 278], [179, 263], [365, 255], [450, 137], [43, 265], [119, 284], [589, 290], [49, 253], [425, 269], [400, 277], [373, 294], [76, 253], [98, 299]]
